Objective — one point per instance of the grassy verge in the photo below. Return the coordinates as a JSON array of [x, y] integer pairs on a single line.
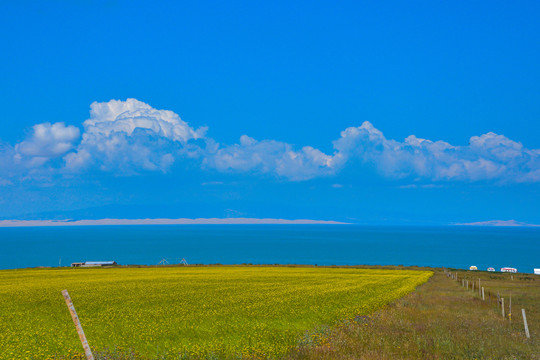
[[440, 320]]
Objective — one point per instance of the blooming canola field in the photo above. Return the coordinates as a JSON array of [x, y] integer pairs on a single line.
[[195, 312]]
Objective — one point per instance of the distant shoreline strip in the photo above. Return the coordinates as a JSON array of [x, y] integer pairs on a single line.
[[512, 223], [183, 221]]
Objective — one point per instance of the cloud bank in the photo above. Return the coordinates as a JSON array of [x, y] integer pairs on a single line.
[[130, 137], [487, 157]]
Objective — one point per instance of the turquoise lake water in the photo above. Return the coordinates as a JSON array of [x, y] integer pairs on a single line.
[[451, 246]]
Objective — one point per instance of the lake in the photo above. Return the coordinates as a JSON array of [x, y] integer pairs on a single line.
[[448, 246]]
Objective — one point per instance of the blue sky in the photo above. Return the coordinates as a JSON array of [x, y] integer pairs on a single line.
[[376, 112]]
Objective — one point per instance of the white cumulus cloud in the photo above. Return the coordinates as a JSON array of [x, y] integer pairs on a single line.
[[130, 136], [48, 141], [117, 116], [271, 157], [487, 157]]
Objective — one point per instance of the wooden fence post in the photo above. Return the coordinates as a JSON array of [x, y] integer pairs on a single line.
[[483, 297], [77, 323], [502, 306], [525, 324], [510, 310], [479, 287]]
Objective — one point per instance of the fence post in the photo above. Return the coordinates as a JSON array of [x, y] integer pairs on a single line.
[[77, 323], [525, 324], [479, 287], [483, 297], [502, 307], [510, 310]]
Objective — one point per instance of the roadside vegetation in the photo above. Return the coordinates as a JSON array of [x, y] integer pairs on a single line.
[[441, 320], [187, 312]]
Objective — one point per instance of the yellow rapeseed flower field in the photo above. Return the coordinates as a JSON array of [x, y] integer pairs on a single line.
[[257, 312]]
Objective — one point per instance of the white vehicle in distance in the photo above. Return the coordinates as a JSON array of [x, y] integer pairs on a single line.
[[491, 269], [509, 269]]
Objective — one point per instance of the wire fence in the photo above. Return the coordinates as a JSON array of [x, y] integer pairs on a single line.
[[491, 297]]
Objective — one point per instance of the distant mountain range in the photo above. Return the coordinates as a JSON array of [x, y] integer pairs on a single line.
[[201, 221], [211, 221], [497, 223]]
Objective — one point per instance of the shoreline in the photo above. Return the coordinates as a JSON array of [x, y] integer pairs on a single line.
[[315, 266]]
